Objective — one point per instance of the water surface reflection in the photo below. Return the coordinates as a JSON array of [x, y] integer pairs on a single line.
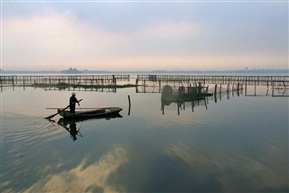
[[70, 124], [85, 177], [238, 144]]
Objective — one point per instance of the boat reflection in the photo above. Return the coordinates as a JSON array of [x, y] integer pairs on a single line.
[[71, 124], [195, 95]]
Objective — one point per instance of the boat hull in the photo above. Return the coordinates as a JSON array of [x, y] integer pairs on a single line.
[[102, 112]]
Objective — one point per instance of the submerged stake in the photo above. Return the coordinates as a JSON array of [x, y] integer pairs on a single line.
[[129, 105]]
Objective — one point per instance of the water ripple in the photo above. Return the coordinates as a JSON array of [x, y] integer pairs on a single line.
[[24, 138]]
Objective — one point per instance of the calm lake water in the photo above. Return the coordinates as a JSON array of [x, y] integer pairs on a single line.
[[237, 144]]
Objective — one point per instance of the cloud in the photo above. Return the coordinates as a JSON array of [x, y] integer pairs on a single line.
[[58, 36], [209, 61], [133, 39], [172, 29], [57, 41]]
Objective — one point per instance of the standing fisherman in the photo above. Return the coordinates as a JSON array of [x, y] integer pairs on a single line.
[[72, 102]]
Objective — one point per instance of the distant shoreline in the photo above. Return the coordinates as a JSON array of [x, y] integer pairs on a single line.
[[79, 72]]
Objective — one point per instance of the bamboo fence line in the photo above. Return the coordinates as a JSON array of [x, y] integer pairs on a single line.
[[27, 80]]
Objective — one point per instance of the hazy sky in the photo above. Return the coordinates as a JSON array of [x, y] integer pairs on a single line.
[[144, 35]]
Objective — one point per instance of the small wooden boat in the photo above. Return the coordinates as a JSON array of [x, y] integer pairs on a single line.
[[102, 112]]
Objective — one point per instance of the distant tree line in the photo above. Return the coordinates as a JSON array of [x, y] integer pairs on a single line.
[[71, 71]]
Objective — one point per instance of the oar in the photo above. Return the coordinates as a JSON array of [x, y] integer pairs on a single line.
[[79, 108], [49, 117]]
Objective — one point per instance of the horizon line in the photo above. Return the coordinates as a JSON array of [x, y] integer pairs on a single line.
[[86, 70]]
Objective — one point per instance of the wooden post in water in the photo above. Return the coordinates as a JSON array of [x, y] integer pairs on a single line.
[[215, 93], [13, 81], [255, 88], [23, 82], [193, 105], [220, 92], [228, 91], [200, 87], [129, 105], [136, 83], [238, 88], [113, 80]]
